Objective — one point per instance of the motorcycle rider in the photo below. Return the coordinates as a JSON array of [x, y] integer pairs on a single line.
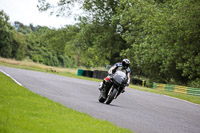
[[123, 66]]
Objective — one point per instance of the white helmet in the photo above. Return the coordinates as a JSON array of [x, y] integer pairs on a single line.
[[125, 63]]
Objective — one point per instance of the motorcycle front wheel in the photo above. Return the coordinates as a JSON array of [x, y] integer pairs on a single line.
[[112, 95]]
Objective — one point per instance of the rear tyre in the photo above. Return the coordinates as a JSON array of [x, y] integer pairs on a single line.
[[111, 97], [101, 99]]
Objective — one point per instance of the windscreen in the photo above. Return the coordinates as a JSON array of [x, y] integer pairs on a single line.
[[119, 77]]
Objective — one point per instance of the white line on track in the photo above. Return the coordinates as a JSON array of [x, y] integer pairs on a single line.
[[182, 100], [11, 77]]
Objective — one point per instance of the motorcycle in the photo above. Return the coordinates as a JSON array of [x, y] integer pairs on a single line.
[[114, 87]]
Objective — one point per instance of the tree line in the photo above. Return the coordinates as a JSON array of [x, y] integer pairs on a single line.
[[160, 37]]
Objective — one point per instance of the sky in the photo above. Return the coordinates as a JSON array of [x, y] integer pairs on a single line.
[[26, 12]]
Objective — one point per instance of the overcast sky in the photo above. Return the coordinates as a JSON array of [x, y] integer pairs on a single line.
[[26, 12]]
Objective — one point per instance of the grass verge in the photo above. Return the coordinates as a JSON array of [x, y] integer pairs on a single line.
[[23, 111], [190, 98], [72, 73]]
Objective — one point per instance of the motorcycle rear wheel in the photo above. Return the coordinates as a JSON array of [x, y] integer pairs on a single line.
[[101, 99]]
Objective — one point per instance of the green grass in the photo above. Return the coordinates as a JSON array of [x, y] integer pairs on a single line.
[[35, 68], [22, 111], [190, 98]]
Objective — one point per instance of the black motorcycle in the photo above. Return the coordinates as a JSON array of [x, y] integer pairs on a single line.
[[114, 87]]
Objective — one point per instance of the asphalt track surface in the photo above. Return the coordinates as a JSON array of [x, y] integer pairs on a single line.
[[142, 112]]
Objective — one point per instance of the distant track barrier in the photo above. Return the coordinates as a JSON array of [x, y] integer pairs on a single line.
[[102, 74], [177, 89], [92, 74], [80, 72], [138, 82]]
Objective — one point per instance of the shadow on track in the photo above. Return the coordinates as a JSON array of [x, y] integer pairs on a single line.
[[112, 105]]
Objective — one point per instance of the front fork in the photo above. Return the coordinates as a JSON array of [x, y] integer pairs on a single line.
[[110, 91]]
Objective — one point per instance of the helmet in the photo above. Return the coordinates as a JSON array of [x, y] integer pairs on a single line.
[[125, 63]]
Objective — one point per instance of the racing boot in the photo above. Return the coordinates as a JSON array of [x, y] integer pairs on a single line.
[[102, 89], [103, 94], [101, 86]]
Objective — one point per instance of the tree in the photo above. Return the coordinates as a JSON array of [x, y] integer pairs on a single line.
[[12, 44], [51, 46], [164, 39], [5, 36], [99, 30]]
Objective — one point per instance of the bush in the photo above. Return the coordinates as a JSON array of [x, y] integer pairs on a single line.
[[149, 84], [195, 83]]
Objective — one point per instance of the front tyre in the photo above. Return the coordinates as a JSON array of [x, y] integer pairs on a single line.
[[111, 97]]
